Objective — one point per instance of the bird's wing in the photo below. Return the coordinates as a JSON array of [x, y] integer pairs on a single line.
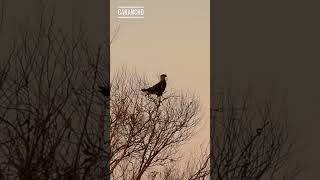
[[158, 87]]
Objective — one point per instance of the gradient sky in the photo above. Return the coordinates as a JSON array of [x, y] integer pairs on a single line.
[[173, 38]]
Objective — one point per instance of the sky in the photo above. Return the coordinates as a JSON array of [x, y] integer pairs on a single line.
[[173, 38]]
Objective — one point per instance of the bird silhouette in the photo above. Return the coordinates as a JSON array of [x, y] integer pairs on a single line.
[[158, 88]]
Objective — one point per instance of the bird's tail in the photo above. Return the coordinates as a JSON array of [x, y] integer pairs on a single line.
[[143, 90]]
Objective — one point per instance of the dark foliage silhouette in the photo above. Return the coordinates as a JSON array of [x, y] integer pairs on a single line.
[[105, 90], [52, 116], [249, 139]]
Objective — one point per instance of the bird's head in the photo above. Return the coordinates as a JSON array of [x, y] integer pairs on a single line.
[[163, 77]]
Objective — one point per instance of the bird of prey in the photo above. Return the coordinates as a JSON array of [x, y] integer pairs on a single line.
[[158, 88]]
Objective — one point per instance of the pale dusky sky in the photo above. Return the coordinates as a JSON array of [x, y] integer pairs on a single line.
[[173, 38]]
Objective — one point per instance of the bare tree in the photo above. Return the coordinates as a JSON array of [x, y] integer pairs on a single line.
[[249, 138], [50, 107], [146, 132], [197, 167]]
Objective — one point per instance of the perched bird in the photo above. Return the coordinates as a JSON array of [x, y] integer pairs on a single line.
[[104, 90], [158, 88]]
